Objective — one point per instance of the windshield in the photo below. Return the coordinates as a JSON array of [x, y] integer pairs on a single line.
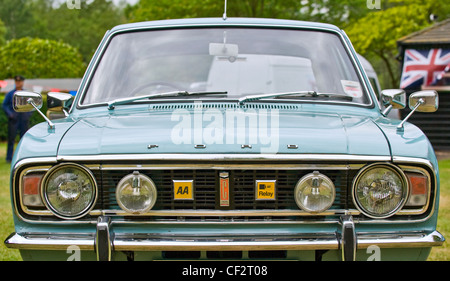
[[239, 62]]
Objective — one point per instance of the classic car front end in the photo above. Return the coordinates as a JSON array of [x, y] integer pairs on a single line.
[[225, 139]]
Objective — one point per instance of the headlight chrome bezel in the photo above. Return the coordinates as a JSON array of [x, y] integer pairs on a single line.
[[403, 198], [44, 194]]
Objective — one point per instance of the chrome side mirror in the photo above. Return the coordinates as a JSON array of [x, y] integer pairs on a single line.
[[427, 101], [393, 98], [422, 101], [59, 102], [24, 101]]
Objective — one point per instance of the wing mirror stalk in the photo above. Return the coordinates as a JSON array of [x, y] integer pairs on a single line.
[[422, 101]]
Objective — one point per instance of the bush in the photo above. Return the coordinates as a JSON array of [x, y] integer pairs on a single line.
[[39, 58]]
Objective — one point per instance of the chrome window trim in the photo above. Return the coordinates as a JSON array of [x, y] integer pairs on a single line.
[[403, 163], [344, 39]]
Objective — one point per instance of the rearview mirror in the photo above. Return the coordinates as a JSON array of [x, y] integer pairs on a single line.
[[223, 50]]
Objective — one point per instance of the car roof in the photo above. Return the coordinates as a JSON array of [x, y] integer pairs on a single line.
[[225, 22]]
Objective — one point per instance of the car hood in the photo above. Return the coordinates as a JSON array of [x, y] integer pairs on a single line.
[[224, 131]]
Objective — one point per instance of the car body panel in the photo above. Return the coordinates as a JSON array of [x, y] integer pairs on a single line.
[[178, 131]]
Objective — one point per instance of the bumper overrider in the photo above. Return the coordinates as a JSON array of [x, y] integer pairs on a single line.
[[105, 242]]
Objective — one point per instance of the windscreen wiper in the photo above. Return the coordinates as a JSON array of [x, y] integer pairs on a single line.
[[296, 94], [113, 103]]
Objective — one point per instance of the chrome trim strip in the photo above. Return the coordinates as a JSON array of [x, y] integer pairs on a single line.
[[231, 166], [307, 241], [227, 213], [224, 157]]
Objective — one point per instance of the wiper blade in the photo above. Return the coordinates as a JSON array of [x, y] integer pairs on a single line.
[[273, 95], [113, 103], [296, 94]]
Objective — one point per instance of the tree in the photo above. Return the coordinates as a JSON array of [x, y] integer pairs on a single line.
[[17, 17], [146, 10], [330, 11], [39, 58], [81, 28], [2, 33]]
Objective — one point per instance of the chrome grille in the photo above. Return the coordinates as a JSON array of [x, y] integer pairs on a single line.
[[242, 188]]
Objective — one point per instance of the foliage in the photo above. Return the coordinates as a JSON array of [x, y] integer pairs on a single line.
[[316, 10], [81, 28], [17, 16], [2, 33], [39, 58], [375, 35], [146, 10]]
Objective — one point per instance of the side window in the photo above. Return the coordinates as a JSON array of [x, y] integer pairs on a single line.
[[375, 87]]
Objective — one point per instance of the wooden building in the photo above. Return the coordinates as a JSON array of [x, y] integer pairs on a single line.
[[425, 64]]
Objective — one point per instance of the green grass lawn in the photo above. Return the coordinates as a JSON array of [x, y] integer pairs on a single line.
[[7, 226], [6, 221], [443, 253]]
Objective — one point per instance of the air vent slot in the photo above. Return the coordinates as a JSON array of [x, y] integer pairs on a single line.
[[222, 106]]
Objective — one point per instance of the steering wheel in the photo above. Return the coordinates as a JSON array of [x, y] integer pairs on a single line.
[[158, 85]]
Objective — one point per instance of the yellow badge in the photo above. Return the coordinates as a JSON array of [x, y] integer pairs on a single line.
[[183, 190], [265, 190]]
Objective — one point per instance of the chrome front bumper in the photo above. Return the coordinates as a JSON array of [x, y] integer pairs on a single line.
[[105, 242]]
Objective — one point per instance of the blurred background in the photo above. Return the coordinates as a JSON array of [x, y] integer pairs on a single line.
[[75, 27]]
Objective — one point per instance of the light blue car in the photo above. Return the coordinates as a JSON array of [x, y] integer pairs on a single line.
[[225, 139]]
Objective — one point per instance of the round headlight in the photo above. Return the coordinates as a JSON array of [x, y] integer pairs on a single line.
[[69, 191], [136, 193], [380, 190], [314, 193]]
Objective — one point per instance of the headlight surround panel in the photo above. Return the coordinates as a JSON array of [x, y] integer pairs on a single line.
[[380, 190], [69, 190]]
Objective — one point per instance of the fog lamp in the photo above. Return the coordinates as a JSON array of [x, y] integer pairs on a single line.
[[315, 193], [69, 190], [136, 193], [380, 190]]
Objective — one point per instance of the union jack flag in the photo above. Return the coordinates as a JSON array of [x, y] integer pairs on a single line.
[[422, 67]]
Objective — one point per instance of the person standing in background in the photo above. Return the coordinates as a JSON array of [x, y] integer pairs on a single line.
[[17, 122]]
